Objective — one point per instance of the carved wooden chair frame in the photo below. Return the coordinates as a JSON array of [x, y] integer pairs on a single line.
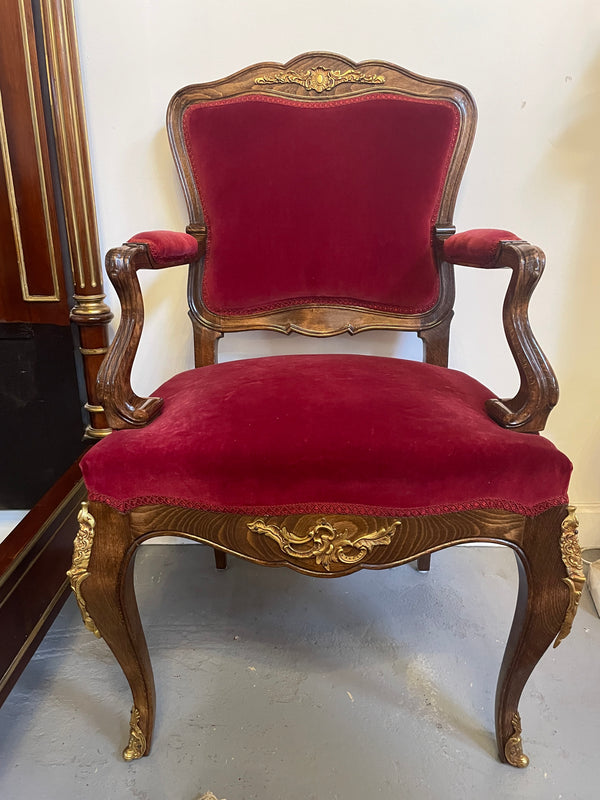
[[548, 556]]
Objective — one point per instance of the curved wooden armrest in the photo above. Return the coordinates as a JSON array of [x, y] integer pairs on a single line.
[[528, 410], [124, 409]]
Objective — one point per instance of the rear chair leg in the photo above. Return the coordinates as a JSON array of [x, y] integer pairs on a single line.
[[102, 579], [220, 559], [424, 562], [550, 585]]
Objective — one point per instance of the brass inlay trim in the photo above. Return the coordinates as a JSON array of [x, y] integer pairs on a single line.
[[15, 221], [31, 636], [90, 305], [513, 750], [53, 42], [93, 351], [25, 555], [41, 173], [571, 556], [137, 741], [97, 433], [82, 551], [324, 542], [12, 200], [69, 118], [79, 119], [320, 79]]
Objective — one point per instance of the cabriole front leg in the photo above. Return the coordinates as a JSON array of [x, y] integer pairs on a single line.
[[102, 578], [550, 583]]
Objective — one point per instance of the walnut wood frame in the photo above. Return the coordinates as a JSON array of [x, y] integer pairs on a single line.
[[107, 596], [545, 604], [325, 320], [538, 391]]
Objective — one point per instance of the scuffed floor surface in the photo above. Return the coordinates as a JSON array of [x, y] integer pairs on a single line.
[[275, 686]]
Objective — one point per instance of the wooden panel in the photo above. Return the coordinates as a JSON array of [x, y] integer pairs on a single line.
[[32, 286], [40, 404], [34, 559], [323, 544]]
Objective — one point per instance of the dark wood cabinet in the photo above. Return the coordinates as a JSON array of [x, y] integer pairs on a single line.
[[40, 404], [53, 321]]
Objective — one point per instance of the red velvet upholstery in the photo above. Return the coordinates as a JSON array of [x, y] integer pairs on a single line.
[[168, 248], [320, 202], [326, 434], [476, 248]]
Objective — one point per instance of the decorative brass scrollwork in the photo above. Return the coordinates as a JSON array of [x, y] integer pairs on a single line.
[[324, 542], [320, 79], [571, 556], [82, 551], [513, 750], [137, 741]]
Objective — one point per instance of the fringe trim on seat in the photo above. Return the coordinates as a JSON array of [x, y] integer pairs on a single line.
[[332, 508]]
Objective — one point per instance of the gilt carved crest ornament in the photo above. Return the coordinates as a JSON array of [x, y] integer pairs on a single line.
[[320, 79]]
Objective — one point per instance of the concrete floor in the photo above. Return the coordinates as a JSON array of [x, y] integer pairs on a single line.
[[276, 686]]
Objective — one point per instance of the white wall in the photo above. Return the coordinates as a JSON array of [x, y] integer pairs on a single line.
[[534, 69]]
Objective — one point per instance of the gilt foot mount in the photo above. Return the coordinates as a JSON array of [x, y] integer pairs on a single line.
[[513, 749], [136, 746]]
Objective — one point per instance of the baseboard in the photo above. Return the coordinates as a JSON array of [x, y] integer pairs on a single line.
[[588, 515]]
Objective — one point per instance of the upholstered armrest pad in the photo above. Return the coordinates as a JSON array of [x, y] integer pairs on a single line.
[[167, 248], [476, 248]]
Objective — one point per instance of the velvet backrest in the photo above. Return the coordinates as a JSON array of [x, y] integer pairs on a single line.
[[317, 196]]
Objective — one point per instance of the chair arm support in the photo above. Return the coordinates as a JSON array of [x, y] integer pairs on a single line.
[[538, 391], [149, 250]]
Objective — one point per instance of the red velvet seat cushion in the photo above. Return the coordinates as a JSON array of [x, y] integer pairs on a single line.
[[326, 434]]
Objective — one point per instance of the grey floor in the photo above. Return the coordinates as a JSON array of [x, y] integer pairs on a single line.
[[276, 686]]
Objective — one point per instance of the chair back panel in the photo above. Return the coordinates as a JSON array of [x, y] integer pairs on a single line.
[[322, 199]]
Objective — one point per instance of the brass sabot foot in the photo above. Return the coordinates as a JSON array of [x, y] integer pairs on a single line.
[[137, 741], [513, 750]]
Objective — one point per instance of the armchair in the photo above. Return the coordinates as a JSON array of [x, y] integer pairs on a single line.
[[321, 196]]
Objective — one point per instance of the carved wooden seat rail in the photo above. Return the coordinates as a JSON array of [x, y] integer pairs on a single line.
[[321, 197]]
